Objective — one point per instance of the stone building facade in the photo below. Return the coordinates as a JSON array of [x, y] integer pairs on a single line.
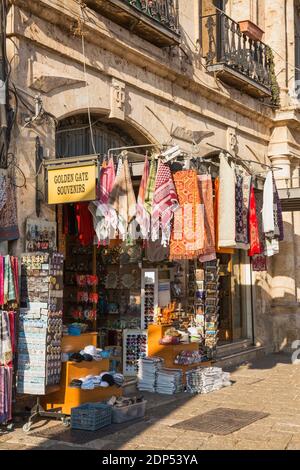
[[154, 81]]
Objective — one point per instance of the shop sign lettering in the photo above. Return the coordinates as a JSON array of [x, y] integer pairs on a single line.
[[74, 184]]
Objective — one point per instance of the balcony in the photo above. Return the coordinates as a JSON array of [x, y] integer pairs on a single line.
[[153, 20], [235, 58]]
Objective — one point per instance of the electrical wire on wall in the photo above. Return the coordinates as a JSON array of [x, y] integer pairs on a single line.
[[6, 112]]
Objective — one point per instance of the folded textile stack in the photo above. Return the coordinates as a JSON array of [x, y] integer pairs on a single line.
[[90, 382], [148, 368], [186, 358], [206, 380], [169, 381]]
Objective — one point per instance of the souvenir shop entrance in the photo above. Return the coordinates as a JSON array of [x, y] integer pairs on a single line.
[[117, 304]]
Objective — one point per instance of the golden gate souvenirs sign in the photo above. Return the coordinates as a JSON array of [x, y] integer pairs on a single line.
[[72, 184]]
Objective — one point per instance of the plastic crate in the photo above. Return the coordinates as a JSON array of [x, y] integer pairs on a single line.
[[91, 416], [128, 413]]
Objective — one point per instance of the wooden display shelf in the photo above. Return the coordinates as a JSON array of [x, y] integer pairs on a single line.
[[67, 397], [168, 352], [71, 344]]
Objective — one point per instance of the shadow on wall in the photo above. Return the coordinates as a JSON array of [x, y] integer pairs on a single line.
[[277, 317]]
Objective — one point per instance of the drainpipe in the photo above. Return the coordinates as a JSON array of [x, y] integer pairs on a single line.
[[286, 46]]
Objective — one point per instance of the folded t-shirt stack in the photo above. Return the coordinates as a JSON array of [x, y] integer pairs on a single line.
[[169, 381], [89, 353], [105, 379], [206, 380], [148, 368]]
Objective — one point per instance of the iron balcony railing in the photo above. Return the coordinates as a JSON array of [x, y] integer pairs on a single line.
[[163, 11], [224, 43], [155, 21]]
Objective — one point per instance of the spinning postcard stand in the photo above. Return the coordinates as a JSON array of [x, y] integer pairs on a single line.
[[40, 330]]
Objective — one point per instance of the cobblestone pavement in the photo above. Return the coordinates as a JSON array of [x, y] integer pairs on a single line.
[[271, 385]]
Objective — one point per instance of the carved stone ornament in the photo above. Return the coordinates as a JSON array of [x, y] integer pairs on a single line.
[[117, 100], [232, 140]]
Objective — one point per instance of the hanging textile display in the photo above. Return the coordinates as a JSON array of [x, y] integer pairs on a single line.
[[6, 352], [255, 244], [187, 241], [85, 225], [270, 211], [229, 251], [8, 210], [6, 384], [206, 198], [268, 205], [9, 296], [278, 207], [259, 262], [150, 188], [243, 184], [123, 201], [142, 215], [165, 203], [226, 209], [104, 216], [9, 283]]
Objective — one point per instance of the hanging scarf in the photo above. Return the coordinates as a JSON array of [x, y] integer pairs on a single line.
[[165, 203], [104, 216], [255, 245], [243, 184], [142, 215], [12, 329], [122, 199], [6, 382], [206, 198], [226, 210], [3, 192], [187, 240], [106, 184], [5, 341], [84, 218], [268, 206], [229, 251], [15, 268], [148, 202], [278, 209], [8, 214], [259, 262], [1, 280]]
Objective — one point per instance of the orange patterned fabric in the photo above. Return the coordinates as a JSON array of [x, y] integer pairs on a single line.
[[229, 251], [206, 198], [188, 231]]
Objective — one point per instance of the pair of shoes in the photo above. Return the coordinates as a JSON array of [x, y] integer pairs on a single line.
[[112, 401]]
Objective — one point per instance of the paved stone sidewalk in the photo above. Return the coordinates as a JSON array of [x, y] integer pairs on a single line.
[[271, 385]]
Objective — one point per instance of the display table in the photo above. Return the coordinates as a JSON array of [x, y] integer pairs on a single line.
[[168, 352], [67, 397]]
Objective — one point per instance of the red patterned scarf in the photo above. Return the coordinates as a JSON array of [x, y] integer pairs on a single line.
[[255, 245]]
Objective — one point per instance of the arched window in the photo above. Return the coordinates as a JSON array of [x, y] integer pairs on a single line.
[[73, 136]]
